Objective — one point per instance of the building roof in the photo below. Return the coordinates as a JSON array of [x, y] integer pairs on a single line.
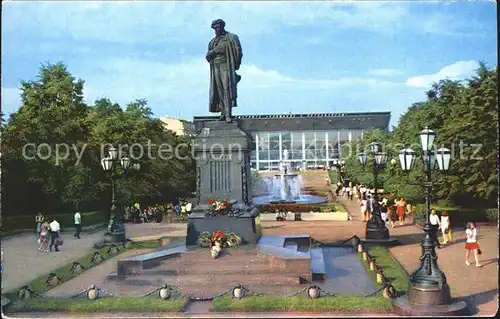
[[309, 121]]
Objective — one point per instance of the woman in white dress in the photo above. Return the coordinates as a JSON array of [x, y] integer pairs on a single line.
[[445, 227], [363, 204]]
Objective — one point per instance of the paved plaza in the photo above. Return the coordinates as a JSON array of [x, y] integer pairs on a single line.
[[477, 286], [24, 263]]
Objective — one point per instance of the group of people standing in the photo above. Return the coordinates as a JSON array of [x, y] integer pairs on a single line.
[[147, 215], [46, 231]]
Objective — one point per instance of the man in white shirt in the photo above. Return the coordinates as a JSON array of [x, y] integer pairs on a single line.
[[189, 207], [78, 225], [435, 224], [54, 234]]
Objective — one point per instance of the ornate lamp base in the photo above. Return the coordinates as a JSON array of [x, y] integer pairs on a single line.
[[380, 233], [427, 295], [403, 307], [114, 237]]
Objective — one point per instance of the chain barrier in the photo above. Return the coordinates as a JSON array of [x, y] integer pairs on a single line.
[[378, 290], [151, 292], [32, 292], [386, 284], [335, 244], [200, 298], [101, 292]]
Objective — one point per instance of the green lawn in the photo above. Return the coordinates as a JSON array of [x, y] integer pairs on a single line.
[[298, 303], [110, 304], [64, 274], [392, 270]]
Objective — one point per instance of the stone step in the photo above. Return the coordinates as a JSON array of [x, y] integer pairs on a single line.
[[318, 268], [208, 279], [253, 269], [225, 251]]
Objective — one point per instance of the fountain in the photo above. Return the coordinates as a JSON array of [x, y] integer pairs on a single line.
[[286, 187]]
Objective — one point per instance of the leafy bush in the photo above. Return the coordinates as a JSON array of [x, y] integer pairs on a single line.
[[492, 214]]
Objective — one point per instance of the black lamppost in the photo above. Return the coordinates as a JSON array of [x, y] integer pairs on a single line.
[[375, 227], [428, 290], [340, 166], [116, 228]]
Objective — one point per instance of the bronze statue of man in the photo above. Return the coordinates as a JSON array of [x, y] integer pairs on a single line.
[[224, 55]]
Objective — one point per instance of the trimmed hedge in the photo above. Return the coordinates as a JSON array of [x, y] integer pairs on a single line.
[[24, 222]]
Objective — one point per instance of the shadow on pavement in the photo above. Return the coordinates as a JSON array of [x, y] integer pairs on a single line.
[[477, 299]]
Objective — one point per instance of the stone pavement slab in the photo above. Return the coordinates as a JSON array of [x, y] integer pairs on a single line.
[[24, 263]]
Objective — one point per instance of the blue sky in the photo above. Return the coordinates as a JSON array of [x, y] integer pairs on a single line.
[[298, 57]]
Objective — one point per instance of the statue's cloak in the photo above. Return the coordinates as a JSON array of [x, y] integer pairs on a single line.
[[233, 58]]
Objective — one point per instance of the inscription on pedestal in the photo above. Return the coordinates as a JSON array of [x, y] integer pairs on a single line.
[[220, 175]]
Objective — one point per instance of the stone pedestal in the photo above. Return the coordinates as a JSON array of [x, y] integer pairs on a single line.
[[222, 152], [243, 226]]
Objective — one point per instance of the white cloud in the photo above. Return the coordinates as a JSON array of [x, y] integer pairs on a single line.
[[385, 72], [456, 71], [156, 79], [183, 87], [145, 21]]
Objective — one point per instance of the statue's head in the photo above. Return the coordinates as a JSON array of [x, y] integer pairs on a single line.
[[218, 25]]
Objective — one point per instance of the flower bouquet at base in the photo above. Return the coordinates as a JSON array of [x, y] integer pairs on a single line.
[[218, 237], [219, 207], [205, 239], [233, 240]]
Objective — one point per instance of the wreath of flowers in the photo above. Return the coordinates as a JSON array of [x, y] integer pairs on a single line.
[[219, 238], [223, 207]]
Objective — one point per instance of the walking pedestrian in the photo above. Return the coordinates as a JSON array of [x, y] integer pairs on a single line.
[[445, 227], [78, 225], [39, 220], [55, 228], [364, 206], [401, 210], [44, 237], [369, 206], [435, 225], [471, 244]]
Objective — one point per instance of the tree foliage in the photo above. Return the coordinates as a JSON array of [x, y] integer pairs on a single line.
[[465, 117], [53, 112]]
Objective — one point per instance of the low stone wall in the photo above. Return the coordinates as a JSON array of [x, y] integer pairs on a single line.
[[340, 216]]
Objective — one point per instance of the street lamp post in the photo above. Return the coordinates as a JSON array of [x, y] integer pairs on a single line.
[[340, 166], [116, 229], [375, 227], [428, 290]]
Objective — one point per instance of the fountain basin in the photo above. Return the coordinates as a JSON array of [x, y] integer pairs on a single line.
[[302, 199]]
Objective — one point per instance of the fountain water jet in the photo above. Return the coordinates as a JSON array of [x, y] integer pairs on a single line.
[[286, 187]]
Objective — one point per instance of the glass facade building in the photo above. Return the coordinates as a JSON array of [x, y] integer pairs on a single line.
[[312, 140], [305, 149]]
